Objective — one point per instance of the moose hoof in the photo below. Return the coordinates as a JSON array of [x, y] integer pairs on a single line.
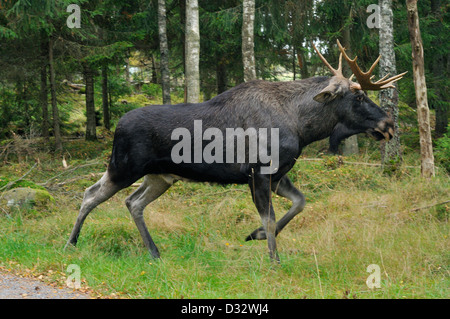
[[70, 245], [258, 234], [155, 256]]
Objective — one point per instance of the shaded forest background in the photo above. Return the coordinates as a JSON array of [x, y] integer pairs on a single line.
[[113, 59], [73, 84]]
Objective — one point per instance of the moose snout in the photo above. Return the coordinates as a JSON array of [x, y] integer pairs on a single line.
[[386, 128]]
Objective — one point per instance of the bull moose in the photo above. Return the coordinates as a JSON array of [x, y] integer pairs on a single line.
[[302, 111]]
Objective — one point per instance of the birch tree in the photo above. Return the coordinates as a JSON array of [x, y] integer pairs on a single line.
[[164, 50], [248, 42], [192, 52], [423, 112], [390, 151]]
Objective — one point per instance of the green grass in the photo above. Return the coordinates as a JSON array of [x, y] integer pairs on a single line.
[[355, 216]]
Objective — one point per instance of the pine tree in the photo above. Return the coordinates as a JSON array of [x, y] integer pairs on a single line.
[[91, 132], [55, 111]]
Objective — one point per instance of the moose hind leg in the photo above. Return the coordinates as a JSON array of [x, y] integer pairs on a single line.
[[286, 189], [152, 187], [93, 196]]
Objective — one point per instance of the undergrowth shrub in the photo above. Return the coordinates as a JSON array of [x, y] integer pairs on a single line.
[[442, 151]]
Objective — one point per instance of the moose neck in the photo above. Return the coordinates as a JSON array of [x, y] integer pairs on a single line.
[[316, 121]]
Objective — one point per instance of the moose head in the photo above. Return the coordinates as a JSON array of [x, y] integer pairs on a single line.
[[357, 113]]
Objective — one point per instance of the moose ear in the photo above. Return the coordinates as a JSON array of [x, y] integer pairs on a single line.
[[325, 97], [328, 94]]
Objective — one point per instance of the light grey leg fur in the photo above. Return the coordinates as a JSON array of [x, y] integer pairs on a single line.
[[152, 187], [93, 196], [286, 189]]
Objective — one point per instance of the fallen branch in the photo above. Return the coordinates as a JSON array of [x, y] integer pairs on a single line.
[[225, 191], [345, 162], [7, 186], [6, 148], [352, 163], [429, 206], [76, 179], [68, 171]]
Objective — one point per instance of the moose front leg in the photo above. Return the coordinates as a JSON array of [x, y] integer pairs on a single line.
[[260, 186]]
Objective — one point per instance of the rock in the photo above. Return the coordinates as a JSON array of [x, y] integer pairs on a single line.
[[27, 198]]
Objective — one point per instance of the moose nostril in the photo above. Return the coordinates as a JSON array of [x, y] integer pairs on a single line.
[[386, 124], [391, 132], [386, 128]]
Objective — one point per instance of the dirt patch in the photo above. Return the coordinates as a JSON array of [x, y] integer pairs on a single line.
[[16, 287]]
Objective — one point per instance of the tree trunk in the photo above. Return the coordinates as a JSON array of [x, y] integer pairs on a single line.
[[154, 75], [294, 63], [127, 71], [302, 63], [350, 144], [248, 43], [192, 52], [438, 69], [105, 102], [164, 50], [390, 151], [221, 75], [43, 96], [423, 113], [183, 41], [26, 104], [91, 132], [55, 111]]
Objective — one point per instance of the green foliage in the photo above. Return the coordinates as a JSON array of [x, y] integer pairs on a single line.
[[118, 109], [86, 150], [442, 151], [332, 162], [7, 103], [152, 90], [113, 30], [22, 183], [392, 167]]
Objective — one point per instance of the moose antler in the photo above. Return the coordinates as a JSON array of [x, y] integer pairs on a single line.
[[337, 72], [365, 78]]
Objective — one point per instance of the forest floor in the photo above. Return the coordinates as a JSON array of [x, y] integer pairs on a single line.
[[356, 216]]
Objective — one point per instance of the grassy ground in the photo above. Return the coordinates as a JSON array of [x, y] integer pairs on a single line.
[[355, 216]]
